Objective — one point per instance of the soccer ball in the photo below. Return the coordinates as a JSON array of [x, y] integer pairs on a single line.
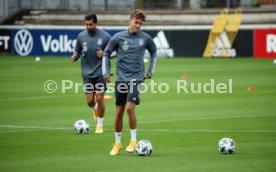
[[143, 148], [227, 145], [81, 126], [37, 59]]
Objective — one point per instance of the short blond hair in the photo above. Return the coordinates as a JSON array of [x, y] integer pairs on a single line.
[[139, 14]]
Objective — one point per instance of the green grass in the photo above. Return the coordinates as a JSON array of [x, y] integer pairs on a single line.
[[36, 128]]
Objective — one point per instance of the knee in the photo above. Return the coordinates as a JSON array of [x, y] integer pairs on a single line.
[[99, 97], [130, 110], [120, 113], [90, 103]]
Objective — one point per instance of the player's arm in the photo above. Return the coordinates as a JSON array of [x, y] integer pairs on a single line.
[[151, 47], [111, 46], [77, 51]]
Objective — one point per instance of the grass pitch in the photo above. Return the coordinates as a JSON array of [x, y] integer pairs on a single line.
[[36, 127]]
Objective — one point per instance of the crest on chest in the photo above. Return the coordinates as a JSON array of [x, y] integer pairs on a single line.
[[125, 46], [141, 42], [99, 41]]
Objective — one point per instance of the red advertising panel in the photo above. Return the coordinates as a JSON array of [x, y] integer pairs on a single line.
[[265, 43]]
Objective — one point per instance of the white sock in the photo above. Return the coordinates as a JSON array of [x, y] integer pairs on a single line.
[[118, 137], [100, 122], [133, 134]]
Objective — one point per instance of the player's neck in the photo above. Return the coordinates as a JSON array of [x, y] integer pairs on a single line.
[[131, 32], [92, 32]]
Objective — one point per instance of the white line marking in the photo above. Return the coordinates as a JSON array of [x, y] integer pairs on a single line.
[[207, 118], [210, 131], [35, 128], [79, 94], [142, 122], [36, 97], [17, 131]]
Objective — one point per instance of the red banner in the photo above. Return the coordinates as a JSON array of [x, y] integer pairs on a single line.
[[265, 43]]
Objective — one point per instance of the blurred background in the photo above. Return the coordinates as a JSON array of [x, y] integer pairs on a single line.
[[9, 6], [181, 28], [37, 112]]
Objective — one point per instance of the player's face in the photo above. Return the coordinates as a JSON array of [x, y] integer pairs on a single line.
[[90, 25], [135, 25]]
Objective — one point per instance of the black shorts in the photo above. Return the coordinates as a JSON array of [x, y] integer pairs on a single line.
[[127, 91], [94, 84]]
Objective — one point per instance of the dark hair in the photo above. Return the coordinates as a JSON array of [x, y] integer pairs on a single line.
[[139, 14], [90, 17]]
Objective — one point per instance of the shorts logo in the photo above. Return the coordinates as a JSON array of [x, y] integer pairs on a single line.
[[125, 46], [99, 41], [23, 42], [84, 47]]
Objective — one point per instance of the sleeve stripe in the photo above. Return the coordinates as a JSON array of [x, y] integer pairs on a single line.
[[104, 66]]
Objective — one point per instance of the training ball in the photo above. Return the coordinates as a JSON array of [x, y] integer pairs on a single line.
[[227, 145], [81, 127], [37, 59], [143, 148], [146, 60]]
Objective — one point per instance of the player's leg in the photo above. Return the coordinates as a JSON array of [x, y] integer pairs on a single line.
[[100, 104], [91, 102], [90, 96], [100, 111], [90, 99], [132, 100], [118, 126], [121, 97], [130, 107], [118, 123], [100, 87]]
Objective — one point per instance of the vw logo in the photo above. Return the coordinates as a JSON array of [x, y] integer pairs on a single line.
[[23, 42]]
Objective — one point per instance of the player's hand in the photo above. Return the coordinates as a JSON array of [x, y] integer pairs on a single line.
[[99, 53], [74, 58], [147, 76]]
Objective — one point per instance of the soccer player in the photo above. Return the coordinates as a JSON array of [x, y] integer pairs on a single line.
[[89, 47], [130, 46]]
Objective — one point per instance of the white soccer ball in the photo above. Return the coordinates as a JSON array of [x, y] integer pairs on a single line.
[[227, 145], [81, 126], [37, 59], [143, 148]]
